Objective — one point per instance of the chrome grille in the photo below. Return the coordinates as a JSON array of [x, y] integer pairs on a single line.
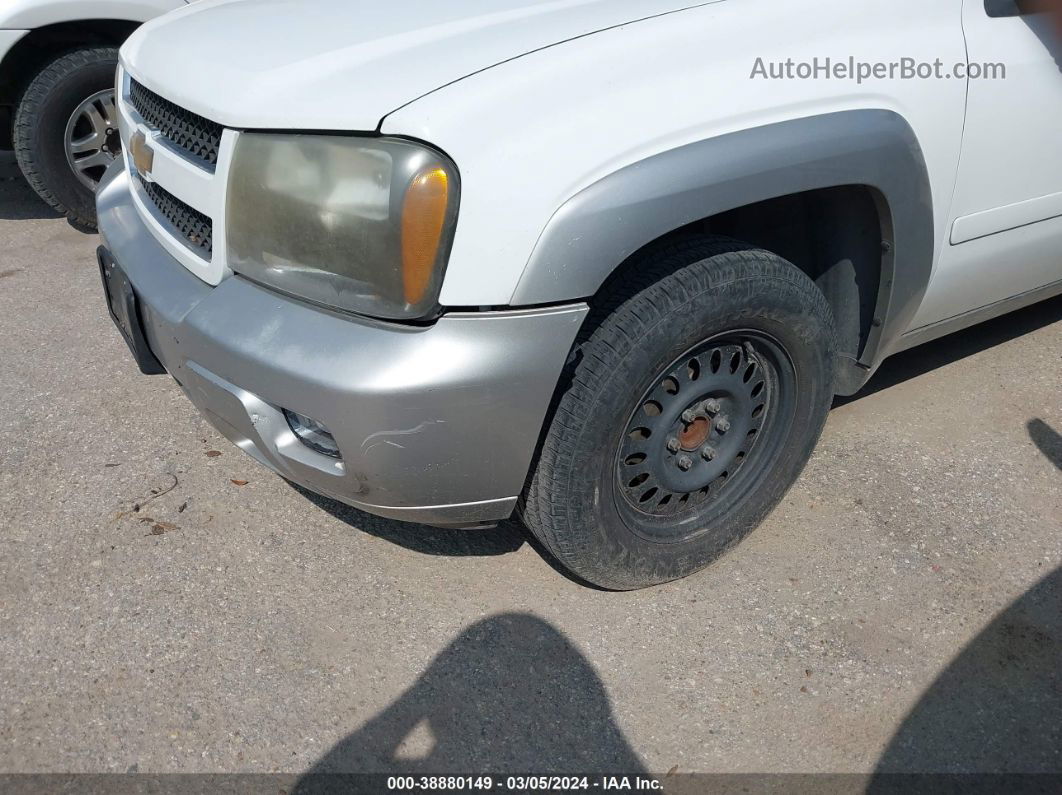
[[189, 132]]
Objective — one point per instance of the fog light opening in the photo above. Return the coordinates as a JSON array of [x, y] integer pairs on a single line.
[[313, 434]]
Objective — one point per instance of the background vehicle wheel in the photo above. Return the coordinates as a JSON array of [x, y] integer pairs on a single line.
[[66, 130], [692, 407]]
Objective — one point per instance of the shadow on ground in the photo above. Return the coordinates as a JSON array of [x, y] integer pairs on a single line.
[[1047, 440], [505, 538], [18, 202], [956, 347], [510, 694], [997, 708]]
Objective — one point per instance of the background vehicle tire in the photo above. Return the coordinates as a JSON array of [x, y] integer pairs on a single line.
[[66, 130], [691, 408]]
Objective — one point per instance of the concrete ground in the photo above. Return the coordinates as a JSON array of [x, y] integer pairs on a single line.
[[902, 610]]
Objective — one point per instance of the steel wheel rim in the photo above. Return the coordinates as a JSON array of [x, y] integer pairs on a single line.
[[750, 381], [91, 139]]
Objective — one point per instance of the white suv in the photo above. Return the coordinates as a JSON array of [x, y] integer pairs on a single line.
[[57, 60], [605, 263]]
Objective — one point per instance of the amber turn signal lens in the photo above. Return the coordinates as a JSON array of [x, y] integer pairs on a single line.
[[423, 221]]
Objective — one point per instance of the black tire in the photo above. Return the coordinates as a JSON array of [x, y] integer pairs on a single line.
[[662, 329], [41, 122]]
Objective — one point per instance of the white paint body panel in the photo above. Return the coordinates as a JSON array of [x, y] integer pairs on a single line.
[[29, 14], [8, 39], [342, 65], [625, 94], [1009, 182], [535, 101]]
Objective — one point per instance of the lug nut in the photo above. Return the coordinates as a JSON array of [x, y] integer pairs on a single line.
[[673, 445], [722, 425], [712, 406], [685, 462], [688, 416], [708, 453]]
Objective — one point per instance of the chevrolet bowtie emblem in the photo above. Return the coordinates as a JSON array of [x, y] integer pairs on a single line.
[[143, 155]]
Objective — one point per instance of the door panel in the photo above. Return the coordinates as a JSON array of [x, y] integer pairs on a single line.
[[1004, 219], [1010, 170]]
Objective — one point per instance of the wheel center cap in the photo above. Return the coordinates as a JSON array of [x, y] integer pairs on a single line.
[[694, 435], [113, 144]]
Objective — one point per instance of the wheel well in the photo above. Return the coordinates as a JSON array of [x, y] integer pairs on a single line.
[[834, 235], [42, 45]]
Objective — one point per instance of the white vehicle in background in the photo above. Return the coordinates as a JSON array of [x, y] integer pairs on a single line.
[[57, 61]]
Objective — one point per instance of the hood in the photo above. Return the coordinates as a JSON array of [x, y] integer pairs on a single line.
[[345, 64]]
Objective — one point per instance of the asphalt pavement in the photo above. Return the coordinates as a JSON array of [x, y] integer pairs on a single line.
[[901, 610]]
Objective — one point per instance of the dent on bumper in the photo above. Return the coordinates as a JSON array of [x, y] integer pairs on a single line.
[[436, 425]]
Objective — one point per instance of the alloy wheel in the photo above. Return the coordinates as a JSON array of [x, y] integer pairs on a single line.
[[92, 139]]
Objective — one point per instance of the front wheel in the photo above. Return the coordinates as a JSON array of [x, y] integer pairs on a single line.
[[66, 131], [692, 408]]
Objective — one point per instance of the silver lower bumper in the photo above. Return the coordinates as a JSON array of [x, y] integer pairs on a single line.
[[436, 425]]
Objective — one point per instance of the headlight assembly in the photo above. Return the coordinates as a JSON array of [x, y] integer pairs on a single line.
[[358, 224]]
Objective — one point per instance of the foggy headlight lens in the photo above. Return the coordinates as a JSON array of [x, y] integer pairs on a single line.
[[358, 224]]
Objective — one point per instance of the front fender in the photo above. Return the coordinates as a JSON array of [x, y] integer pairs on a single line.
[[595, 231]]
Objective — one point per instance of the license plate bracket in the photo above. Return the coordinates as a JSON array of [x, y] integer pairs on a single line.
[[123, 306]]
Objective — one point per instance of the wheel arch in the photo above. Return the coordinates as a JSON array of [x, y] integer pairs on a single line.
[[855, 180], [42, 45]]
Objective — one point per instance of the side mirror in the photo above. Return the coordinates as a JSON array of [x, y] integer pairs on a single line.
[[1003, 8], [1018, 8]]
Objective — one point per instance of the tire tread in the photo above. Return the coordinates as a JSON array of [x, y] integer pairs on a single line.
[[660, 283], [27, 122]]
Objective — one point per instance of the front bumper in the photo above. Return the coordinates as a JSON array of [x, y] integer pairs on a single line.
[[436, 425]]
